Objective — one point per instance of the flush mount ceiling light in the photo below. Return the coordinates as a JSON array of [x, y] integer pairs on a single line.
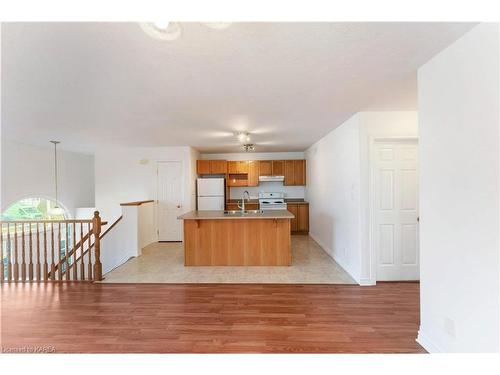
[[162, 30], [249, 147], [242, 137]]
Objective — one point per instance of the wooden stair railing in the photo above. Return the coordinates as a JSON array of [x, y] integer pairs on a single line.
[[45, 254], [89, 248]]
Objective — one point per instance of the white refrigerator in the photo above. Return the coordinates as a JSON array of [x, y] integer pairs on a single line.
[[211, 193]]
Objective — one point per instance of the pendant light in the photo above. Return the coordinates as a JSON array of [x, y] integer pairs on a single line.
[[56, 210]]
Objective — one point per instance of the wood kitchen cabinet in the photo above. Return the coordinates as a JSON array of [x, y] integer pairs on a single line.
[[265, 168], [299, 171], [211, 166], [248, 206], [300, 224], [203, 166], [237, 167], [278, 167], [295, 173], [294, 210], [218, 166], [303, 214], [253, 173]]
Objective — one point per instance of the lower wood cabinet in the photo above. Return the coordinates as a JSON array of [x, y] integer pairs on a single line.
[[248, 206], [300, 224]]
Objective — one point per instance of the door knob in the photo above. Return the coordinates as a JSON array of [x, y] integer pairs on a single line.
[[178, 206]]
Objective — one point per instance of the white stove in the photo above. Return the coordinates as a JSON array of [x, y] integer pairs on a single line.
[[272, 201]]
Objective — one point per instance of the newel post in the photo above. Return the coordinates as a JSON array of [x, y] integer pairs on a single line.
[[96, 229]]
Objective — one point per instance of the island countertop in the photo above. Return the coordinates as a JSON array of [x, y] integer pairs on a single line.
[[220, 215]]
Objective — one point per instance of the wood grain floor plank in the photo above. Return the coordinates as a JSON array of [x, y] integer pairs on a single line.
[[211, 318]]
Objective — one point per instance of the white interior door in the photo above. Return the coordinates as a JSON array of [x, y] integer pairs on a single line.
[[396, 241], [169, 201]]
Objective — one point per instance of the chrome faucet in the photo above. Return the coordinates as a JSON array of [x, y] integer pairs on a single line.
[[242, 207]]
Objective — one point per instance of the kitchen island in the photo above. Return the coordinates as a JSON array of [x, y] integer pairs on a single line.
[[236, 238]]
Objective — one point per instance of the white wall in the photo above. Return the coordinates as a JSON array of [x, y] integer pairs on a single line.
[[28, 171], [237, 192], [458, 93], [129, 174], [333, 172], [338, 169]]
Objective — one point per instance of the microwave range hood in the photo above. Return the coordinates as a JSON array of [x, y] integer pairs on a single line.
[[271, 178]]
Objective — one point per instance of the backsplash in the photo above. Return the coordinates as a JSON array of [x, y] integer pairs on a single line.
[[290, 191]]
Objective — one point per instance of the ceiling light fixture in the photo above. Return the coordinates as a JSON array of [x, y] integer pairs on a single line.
[[249, 147], [162, 30], [243, 137]]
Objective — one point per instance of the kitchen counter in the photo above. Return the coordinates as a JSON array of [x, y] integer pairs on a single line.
[[258, 238], [223, 215]]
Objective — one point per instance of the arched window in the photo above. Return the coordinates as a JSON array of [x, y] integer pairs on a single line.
[[34, 208]]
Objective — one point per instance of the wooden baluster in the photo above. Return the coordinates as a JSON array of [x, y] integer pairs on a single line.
[[60, 264], [68, 278], [30, 266], [75, 268], [23, 255], [82, 264], [2, 276], [9, 254], [45, 263], [52, 260], [96, 223], [16, 253], [90, 253], [38, 265]]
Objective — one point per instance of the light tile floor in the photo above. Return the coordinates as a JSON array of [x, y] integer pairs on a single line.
[[164, 263]]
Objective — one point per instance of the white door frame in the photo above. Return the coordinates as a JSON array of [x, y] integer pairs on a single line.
[[183, 188], [371, 201]]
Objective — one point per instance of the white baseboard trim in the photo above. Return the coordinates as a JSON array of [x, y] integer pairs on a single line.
[[426, 343], [367, 282], [330, 252], [118, 264]]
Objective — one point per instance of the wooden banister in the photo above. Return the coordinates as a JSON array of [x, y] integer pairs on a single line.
[[25, 263]]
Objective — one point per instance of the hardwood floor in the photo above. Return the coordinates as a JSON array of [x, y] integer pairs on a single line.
[[211, 318]]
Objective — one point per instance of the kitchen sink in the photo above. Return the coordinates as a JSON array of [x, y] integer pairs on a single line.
[[240, 213]]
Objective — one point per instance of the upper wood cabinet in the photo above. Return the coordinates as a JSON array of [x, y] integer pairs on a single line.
[[289, 172], [253, 173], [203, 166], [237, 167], [218, 166], [265, 168], [299, 172], [211, 166], [278, 167], [295, 172]]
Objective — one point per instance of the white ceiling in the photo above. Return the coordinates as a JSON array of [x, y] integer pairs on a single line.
[[95, 84]]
